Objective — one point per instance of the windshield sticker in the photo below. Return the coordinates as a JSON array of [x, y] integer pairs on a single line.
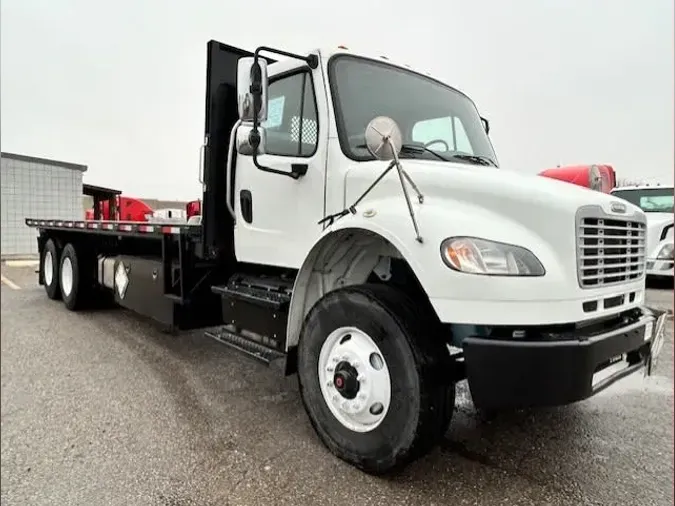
[[275, 112]]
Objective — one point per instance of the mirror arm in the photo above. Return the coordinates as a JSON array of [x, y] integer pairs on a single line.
[[312, 61]]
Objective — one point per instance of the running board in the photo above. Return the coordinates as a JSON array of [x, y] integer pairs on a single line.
[[253, 349]]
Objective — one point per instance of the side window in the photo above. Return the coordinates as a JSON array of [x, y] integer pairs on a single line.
[[291, 126], [448, 130]]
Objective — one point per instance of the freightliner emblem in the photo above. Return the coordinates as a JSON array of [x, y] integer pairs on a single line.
[[618, 207]]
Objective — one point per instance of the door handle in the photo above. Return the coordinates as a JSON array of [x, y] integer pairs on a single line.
[[246, 204]]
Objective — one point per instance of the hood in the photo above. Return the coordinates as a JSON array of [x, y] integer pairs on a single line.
[[487, 202], [501, 190]]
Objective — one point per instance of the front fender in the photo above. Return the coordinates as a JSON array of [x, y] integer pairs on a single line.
[[384, 227], [439, 219], [345, 253]]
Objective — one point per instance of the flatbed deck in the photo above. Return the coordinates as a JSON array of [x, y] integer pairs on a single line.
[[132, 228]]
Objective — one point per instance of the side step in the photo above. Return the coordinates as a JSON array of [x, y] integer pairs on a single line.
[[253, 349], [257, 304]]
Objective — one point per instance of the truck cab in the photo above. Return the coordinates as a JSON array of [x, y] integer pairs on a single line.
[[541, 285]]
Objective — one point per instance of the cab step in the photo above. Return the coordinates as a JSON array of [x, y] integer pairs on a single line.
[[258, 304], [245, 345]]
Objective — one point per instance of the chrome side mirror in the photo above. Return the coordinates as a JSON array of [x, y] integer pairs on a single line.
[[251, 81], [243, 140]]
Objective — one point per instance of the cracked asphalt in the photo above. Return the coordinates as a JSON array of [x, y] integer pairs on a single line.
[[101, 408]]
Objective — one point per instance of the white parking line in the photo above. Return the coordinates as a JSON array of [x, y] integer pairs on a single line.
[[22, 263], [10, 283]]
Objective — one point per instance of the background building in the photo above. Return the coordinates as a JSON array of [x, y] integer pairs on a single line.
[[35, 187]]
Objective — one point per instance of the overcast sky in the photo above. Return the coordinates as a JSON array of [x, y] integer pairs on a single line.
[[119, 86]]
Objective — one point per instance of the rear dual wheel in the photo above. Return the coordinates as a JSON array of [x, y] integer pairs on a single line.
[[374, 377], [50, 270], [74, 278], [66, 275]]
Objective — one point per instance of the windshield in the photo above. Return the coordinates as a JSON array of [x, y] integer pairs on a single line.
[[650, 200], [430, 114]]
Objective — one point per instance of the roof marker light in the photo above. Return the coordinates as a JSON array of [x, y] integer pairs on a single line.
[[343, 47]]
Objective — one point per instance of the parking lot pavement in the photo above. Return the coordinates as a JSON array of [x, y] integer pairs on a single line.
[[101, 408]]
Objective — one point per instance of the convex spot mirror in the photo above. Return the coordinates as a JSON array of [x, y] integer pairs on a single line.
[[383, 138], [245, 137], [251, 81]]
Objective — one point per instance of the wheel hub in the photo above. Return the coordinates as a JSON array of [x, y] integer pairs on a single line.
[[66, 277], [48, 268], [354, 379], [346, 380]]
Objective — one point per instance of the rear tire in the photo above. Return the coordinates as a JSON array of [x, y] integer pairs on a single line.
[[73, 279], [409, 377], [50, 270]]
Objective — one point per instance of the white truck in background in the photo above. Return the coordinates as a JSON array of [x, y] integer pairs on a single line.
[[657, 203], [356, 225]]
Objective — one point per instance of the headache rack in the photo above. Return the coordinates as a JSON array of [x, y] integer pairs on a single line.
[[610, 248]]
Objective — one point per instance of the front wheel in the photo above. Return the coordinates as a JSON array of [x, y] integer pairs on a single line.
[[374, 377]]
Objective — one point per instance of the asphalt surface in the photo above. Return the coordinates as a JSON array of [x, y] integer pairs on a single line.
[[102, 408]]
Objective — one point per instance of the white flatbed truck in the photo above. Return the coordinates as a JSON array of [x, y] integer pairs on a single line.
[[356, 226], [656, 201]]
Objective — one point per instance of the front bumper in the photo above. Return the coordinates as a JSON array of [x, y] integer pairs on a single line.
[[518, 374]]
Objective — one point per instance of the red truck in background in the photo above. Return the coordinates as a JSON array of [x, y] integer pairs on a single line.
[[111, 205], [596, 176], [193, 208], [126, 209]]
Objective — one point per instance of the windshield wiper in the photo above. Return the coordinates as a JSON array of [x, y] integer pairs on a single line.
[[480, 160], [413, 148]]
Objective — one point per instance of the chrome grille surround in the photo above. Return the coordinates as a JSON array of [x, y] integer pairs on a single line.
[[610, 247]]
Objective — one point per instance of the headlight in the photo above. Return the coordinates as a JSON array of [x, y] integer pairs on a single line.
[[666, 252], [479, 256]]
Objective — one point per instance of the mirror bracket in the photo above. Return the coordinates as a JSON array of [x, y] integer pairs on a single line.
[[486, 125], [256, 90]]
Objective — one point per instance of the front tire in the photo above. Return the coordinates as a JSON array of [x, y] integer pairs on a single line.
[[374, 377]]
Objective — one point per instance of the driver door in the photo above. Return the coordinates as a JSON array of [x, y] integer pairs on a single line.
[[276, 215]]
